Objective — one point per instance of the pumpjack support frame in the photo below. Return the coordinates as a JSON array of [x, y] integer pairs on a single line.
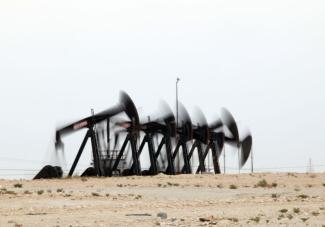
[[132, 139]]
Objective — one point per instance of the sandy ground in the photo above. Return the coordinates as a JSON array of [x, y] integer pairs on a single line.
[[187, 200]]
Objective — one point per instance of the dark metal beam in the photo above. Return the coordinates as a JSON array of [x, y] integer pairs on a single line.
[[76, 160], [95, 151], [118, 159]]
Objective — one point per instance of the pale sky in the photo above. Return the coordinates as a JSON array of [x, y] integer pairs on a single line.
[[263, 60]]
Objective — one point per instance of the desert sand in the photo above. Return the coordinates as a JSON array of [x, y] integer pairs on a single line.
[[286, 199]]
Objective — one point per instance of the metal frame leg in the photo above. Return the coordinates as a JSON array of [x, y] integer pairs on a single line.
[[153, 168], [76, 160], [118, 159], [215, 159], [187, 164], [135, 156], [95, 152], [171, 166]]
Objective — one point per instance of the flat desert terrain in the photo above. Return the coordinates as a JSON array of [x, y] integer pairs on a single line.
[[286, 199]]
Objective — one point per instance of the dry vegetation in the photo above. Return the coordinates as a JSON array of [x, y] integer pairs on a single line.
[[184, 200]]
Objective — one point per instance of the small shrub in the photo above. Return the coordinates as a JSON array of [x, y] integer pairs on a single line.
[[303, 196], [315, 213], [233, 219], [10, 192], [283, 210], [323, 184], [289, 216], [274, 195], [95, 194], [280, 216], [255, 219], [296, 210], [18, 185], [262, 183], [27, 192], [159, 185], [119, 185], [304, 219], [232, 186], [40, 192], [59, 190], [169, 184], [138, 196]]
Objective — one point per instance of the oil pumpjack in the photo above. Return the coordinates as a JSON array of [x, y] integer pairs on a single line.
[[163, 139]]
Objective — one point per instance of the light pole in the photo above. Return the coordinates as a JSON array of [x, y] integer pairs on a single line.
[[252, 162], [224, 159], [177, 80], [239, 157]]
